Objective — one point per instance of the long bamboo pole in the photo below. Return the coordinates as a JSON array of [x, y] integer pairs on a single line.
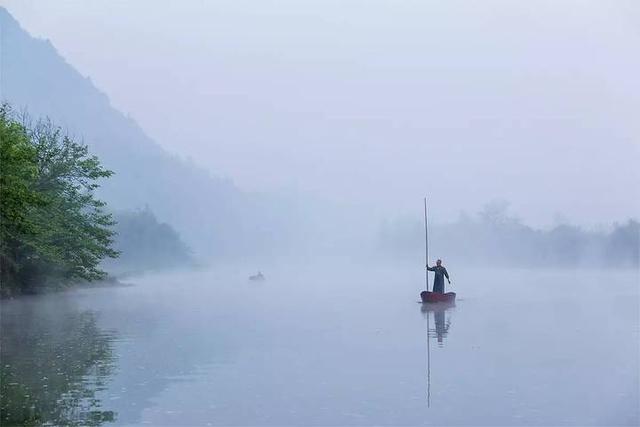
[[426, 245], [426, 279]]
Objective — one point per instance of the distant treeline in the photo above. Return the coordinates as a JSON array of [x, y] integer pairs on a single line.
[[494, 238], [53, 229], [145, 243]]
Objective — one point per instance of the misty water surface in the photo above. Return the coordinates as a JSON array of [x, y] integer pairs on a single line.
[[318, 344]]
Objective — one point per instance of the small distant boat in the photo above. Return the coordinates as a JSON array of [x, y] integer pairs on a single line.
[[257, 277], [435, 297]]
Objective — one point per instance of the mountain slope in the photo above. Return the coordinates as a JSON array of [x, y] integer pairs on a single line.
[[206, 210]]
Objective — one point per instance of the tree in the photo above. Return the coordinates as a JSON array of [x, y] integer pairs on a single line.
[[52, 226], [146, 243], [623, 246], [78, 233], [18, 197]]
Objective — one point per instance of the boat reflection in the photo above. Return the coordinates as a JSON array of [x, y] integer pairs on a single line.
[[441, 321]]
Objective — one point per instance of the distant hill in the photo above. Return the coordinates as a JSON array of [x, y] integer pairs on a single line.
[[209, 212], [146, 244]]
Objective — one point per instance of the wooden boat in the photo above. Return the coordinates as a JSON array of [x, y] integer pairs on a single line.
[[434, 297], [257, 277]]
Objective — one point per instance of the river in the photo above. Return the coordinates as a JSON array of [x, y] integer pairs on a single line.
[[332, 343]]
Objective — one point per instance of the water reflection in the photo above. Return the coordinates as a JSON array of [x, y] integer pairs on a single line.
[[441, 321], [54, 360], [442, 324]]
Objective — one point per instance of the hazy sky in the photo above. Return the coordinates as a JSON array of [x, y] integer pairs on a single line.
[[373, 103]]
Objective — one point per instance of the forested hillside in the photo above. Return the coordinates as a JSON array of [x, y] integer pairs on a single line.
[[144, 243], [211, 214]]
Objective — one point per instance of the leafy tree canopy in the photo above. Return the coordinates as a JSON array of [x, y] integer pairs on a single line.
[[51, 224]]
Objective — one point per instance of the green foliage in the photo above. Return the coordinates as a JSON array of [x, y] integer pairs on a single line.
[[52, 225], [18, 197]]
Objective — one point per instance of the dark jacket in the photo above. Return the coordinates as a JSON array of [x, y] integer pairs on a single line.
[[438, 281]]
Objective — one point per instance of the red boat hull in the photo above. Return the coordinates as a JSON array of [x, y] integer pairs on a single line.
[[433, 297]]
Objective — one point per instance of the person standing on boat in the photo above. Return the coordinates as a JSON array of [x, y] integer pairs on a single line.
[[440, 274]]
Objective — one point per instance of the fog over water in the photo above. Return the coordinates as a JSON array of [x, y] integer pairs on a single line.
[[270, 160], [345, 343]]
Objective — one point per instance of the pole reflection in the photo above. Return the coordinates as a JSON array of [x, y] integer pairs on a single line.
[[441, 323]]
